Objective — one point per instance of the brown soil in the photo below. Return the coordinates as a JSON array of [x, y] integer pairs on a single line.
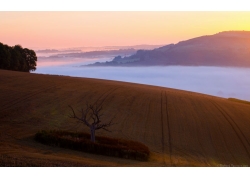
[[180, 128]]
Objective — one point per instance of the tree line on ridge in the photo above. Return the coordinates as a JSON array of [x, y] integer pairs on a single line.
[[17, 58]]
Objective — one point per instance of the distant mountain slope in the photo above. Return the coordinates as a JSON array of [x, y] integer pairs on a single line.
[[229, 48]]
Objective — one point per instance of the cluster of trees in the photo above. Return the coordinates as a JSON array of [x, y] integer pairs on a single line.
[[17, 58]]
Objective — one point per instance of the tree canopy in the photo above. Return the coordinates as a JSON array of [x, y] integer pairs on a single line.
[[17, 58]]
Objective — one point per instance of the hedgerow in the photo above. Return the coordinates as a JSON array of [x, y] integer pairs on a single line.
[[104, 146]]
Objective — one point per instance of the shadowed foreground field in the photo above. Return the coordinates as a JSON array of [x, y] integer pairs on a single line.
[[180, 128]]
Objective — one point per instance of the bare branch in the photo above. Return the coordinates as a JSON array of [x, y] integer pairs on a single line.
[[83, 119], [96, 113], [74, 115], [103, 126], [92, 112]]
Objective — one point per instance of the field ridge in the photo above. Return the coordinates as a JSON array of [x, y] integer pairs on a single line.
[[180, 128]]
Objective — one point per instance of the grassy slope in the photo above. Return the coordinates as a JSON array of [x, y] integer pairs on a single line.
[[179, 127], [238, 100]]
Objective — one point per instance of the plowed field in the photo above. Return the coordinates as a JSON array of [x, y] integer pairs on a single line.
[[180, 128]]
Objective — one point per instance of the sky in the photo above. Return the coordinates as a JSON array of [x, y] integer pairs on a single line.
[[63, 29]]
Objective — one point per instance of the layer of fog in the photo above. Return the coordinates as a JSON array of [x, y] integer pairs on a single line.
[[217, 81], [47, 52], [44, 62]]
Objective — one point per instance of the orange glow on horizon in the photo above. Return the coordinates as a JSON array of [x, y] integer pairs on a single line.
[[77, 29]]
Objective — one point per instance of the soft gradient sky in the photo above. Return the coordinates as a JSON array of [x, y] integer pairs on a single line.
[[75, 29]]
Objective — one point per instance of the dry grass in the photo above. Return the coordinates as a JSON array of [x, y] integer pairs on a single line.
[[180, 128]]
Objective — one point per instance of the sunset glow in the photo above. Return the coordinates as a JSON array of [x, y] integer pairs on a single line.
[[115, 83], [76, 29]]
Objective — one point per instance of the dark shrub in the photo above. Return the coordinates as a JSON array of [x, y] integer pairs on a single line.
[[105, 146]]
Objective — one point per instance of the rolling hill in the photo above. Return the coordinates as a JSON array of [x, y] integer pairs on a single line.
[[228, 48], [180, 128]]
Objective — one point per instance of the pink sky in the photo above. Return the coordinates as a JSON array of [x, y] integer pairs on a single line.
[[75, 29]]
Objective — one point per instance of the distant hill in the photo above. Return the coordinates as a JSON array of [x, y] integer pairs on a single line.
[[95, 54], [47, 51], [228, 48]]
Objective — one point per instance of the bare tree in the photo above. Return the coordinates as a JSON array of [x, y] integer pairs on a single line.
[[91, 117]]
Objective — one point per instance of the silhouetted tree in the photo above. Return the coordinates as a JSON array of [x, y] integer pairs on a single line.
[[30, 57], [91, 117], [16, 58], [4, 56]]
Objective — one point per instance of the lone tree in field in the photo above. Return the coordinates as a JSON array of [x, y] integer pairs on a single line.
[[91, 117]]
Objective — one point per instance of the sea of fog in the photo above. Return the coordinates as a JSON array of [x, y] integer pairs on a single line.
[[217, 81]]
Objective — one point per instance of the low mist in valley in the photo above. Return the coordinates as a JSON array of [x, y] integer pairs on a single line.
[[218, 81]]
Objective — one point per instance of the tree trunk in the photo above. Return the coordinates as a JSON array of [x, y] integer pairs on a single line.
[[92, 132]]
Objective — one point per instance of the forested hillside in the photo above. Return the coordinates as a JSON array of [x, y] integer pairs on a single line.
[[224, 49]]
